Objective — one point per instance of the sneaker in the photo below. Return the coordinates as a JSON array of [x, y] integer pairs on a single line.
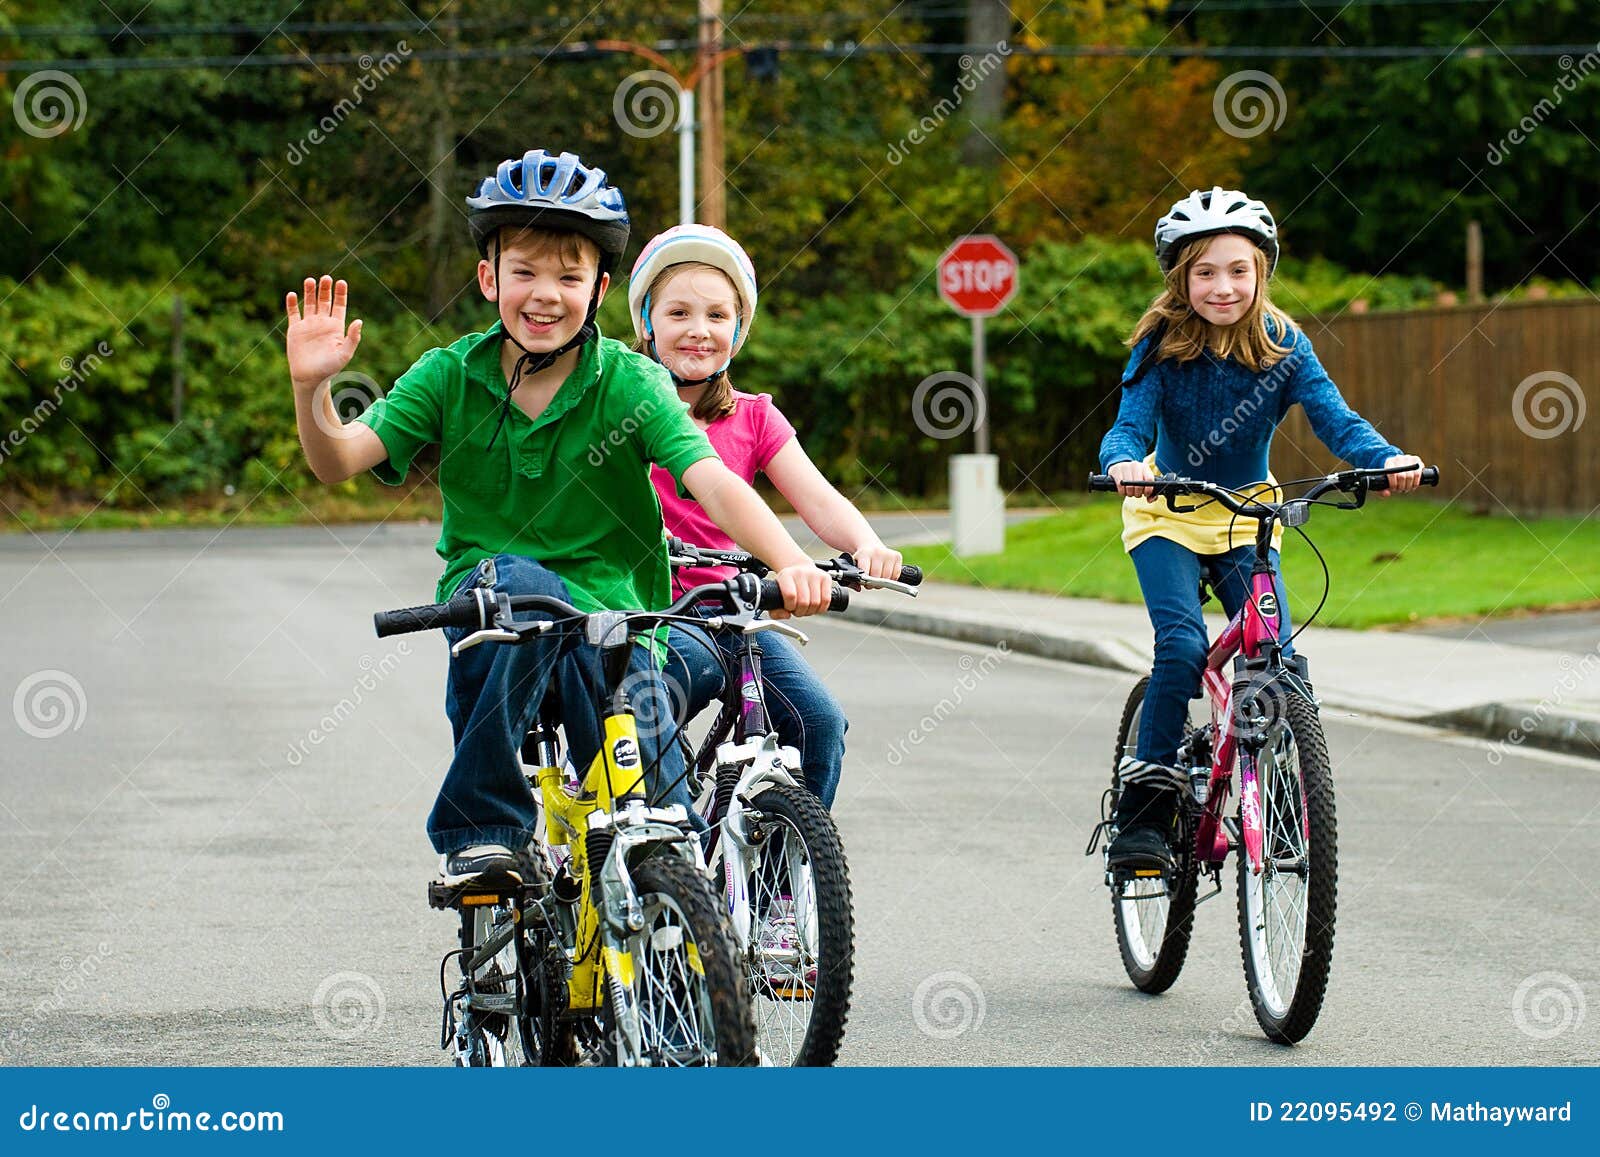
[[1141, 846], [787, 971], [479, 864], [1146, 822]]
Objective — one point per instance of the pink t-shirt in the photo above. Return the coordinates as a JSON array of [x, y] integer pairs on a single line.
[[746, 441]]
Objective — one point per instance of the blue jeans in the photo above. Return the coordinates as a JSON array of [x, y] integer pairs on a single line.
[[1169, 575], [491, 696], [802, 711]]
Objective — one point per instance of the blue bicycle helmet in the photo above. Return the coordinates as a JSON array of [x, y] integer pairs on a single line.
[[554, 192], [541, 191]]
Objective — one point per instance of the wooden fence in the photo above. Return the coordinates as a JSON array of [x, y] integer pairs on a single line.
[[1496, 395]]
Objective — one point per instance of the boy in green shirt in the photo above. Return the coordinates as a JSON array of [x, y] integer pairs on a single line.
[[546, 431]]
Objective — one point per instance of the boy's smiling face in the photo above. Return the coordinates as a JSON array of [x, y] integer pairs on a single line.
[[543, 289]]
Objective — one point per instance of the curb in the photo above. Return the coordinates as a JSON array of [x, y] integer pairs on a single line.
[[1512, 724]]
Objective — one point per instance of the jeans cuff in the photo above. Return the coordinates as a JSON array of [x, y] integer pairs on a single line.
[[454, 839]]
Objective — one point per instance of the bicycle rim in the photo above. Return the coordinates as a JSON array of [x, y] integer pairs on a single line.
[[1277, 900], [683, 988]]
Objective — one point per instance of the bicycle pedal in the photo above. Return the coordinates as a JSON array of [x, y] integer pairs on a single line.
[[468, 895]]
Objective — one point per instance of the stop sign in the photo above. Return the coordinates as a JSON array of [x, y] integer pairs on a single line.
[[978, 275]]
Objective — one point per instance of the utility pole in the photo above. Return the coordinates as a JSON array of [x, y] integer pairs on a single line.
[[988, 23], [713, 209], [706, 61]]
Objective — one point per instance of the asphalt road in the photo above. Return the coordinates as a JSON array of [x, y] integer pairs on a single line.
[[207, 861]]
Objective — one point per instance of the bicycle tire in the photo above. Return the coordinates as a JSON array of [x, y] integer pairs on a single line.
[[1308, 794], [794, 813], [1152, 969], [675, 894]]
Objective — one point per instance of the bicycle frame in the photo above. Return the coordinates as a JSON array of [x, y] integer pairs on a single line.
[[598, 860], [1252, 629], [743, 738]]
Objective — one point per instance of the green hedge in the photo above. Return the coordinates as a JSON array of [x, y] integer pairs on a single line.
[[86, 392]]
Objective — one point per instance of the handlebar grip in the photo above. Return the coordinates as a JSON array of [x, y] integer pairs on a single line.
[[1430, 476], [1103, 482], [911, 575], [772, 597], [461, 611]]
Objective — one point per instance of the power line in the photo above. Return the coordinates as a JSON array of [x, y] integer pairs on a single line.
[[345, 27], [588, 51]]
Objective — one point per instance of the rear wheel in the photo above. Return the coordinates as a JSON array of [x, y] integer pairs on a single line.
[[802, 947], [1286, 913], [1153, 916], [684, 1003], [483, 1036]]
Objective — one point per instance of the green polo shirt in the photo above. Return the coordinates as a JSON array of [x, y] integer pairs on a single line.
[[570, 488]]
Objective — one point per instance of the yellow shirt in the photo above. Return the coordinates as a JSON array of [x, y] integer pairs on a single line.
[[1204, 530]]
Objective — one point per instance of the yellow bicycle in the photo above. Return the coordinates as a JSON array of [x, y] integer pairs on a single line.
[[612, 949]]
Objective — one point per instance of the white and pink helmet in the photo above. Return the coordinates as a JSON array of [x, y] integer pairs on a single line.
[[699, 243]]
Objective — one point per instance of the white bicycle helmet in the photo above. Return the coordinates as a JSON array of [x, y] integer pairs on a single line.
[[700, 243], [1205, 213]]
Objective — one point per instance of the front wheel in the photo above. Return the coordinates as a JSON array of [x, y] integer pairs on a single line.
[[675, 998], [1286, 913], [802, 947], [1153, 916]]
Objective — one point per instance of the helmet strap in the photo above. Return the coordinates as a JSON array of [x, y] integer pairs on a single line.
[[529, 363]]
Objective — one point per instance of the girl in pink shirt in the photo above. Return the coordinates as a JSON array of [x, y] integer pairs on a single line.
[[692, 295]]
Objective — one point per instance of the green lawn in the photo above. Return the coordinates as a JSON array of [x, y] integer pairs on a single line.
[[1395, 561]]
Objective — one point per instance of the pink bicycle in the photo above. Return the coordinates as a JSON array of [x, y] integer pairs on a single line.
[[1265, 721]]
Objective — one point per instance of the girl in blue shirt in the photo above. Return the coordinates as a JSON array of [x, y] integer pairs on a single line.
[[1214, 369]]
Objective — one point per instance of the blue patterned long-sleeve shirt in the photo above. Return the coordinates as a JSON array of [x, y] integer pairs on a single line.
[[1212, 419]]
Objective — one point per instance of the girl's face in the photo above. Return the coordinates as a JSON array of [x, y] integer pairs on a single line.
[[693, 317], [1222, 281]]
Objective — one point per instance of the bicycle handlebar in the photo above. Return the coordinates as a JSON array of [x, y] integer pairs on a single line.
[[476, 609], [844, 566], [1345, 480]]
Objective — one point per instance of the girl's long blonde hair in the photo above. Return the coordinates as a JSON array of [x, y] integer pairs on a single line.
[[1186, 335], [716, 400]]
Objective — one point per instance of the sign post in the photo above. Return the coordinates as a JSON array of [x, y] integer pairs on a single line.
[[977, 276]]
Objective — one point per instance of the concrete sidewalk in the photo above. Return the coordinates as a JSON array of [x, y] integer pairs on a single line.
[[1514, 694]]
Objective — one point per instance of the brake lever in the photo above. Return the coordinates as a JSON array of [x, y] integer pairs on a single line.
[[488, 635], [782, 628], [890, 585]]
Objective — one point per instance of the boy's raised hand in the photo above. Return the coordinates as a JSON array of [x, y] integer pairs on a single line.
[[318, 344]]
